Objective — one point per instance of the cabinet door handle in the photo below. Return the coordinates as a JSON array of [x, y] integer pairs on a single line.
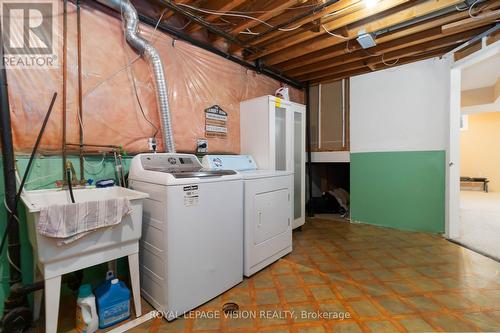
[[259, 224]]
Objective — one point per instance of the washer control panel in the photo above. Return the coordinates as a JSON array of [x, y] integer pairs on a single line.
[[170, 162]]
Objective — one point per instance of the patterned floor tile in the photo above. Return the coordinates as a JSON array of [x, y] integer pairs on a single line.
[[264, 297], [416, 324], [352, 278], [364, 308], [394, 306], [295, 295], [346, 327], [449, 323], [482, 320], [322, 293], [423, 303], [381, 326]]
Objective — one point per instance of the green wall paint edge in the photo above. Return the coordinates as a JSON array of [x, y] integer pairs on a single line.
[[403, 190]]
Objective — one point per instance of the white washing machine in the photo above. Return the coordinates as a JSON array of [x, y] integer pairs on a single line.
[[268, 210], [192, 231]]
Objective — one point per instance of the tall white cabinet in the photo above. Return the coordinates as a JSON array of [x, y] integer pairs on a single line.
[[273, 131]]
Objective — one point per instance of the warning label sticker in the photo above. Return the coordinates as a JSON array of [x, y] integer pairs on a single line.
[[191, 195]]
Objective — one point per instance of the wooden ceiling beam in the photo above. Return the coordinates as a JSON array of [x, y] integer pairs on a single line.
[[340, 7], [472, 22], [270, 11], [220, 6], [321, 42], [306, 38], [419, 57], [370, 61], [430, 35], [340, 56], [340, 49]]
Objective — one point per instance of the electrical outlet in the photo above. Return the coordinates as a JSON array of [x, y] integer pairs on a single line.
[[202, 146], [152, 144]]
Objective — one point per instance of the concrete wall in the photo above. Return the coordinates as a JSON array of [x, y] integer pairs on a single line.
[[399, 129], [480, 148]]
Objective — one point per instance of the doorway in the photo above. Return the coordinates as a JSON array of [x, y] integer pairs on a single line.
[[473, 194]]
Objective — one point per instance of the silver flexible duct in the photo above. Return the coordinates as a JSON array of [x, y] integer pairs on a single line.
[[143, 47]]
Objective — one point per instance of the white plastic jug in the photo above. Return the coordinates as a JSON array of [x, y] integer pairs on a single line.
[[86, 312]]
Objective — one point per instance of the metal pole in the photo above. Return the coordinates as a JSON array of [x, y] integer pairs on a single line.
[[80, 93], [8, 160], [310, 211], [64, 85]]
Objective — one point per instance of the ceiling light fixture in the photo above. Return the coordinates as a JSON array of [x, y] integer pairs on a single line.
[[366, 40]]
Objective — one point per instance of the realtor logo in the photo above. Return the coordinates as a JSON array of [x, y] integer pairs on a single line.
[[28, 34]]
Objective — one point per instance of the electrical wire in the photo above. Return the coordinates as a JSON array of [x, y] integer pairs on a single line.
[[131, 72], [332, 34], [249, 32], [341, 10], [471, 7], [347, 49], [130, 63], [155, 128], [461, 9], [477, 15], [12, 263], [213, 12], [389, 64], [254, 11], [19, 222]]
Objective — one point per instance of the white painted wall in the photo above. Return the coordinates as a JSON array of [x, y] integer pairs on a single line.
[[401, 109]]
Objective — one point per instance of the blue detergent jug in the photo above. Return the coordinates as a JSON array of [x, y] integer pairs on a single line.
[[113, 302]]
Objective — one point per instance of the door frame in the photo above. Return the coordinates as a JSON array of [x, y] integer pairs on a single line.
[[452, 218]]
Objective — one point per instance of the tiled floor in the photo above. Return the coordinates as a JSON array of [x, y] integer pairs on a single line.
[[363, 279]]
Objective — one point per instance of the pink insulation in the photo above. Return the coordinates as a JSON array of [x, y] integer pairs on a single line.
[[197, 79]]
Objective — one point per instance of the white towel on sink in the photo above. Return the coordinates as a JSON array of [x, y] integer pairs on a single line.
[[69, 222]]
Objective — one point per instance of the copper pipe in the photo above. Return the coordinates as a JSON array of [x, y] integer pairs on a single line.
[[80, 93], [64, 70], [91, 145]]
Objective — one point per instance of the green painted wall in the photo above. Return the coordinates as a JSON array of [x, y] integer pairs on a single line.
[[44, 173], [404, 190]]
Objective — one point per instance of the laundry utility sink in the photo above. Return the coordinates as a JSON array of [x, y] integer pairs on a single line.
[[46, 248], [100, 246]]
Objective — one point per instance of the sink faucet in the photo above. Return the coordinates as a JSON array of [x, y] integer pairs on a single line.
[[69, 167]]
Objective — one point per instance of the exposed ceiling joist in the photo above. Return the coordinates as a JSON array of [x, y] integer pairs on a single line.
[[343, 75], [220, 6], [472, 22], [389, 56], [410, 40], [330, 24], [375, 25], [341, 49], [316, 41], [268, 12], [334, 10]]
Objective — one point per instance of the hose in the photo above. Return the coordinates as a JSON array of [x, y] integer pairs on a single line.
[[70, 185]]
